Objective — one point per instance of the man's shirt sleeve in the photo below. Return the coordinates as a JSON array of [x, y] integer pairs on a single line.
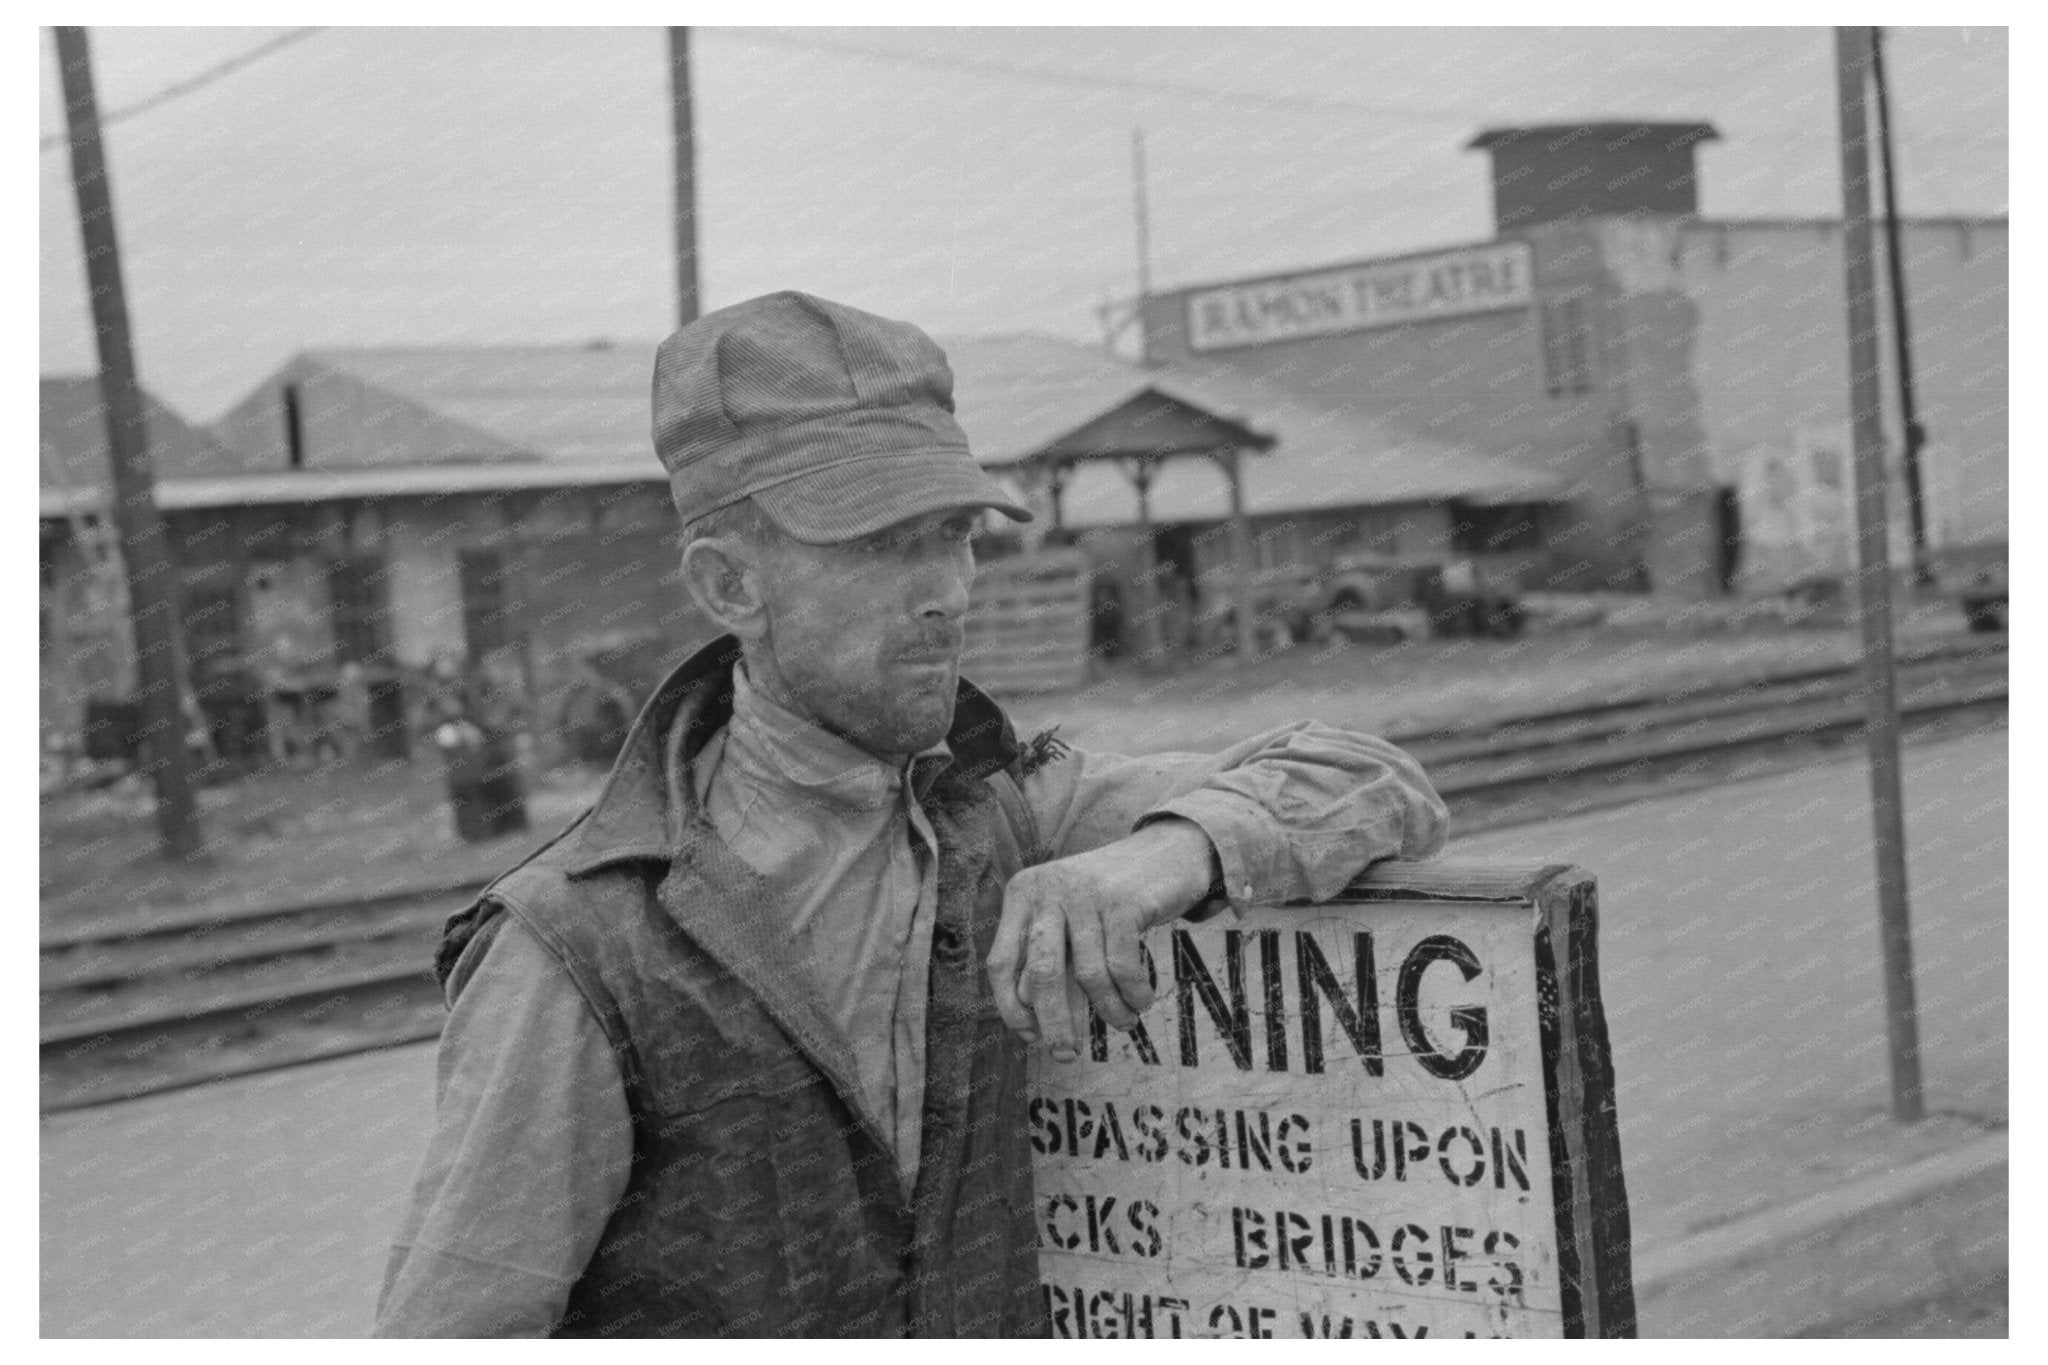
[[1294, 813], [531, 1151]]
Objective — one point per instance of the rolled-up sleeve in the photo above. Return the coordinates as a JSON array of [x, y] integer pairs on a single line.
[[1294, 813], [531, 1151]]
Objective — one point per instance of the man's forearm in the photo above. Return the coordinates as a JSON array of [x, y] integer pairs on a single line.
[[1138, 842], [1294, 812], [1182, 857], [1309, 808]]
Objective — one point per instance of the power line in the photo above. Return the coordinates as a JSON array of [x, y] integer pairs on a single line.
[[1129, 84], [196, 82]]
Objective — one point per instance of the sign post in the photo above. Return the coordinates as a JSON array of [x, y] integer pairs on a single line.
[[1387, 1117]]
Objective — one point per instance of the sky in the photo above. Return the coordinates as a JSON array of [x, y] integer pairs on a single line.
[[377, 186]]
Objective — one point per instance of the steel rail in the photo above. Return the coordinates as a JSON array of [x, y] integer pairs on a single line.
[[116, 1007]]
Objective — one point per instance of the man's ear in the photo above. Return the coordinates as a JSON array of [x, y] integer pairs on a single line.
[[724, 576]]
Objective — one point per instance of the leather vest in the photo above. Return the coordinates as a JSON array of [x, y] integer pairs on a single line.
[[763, 1200]]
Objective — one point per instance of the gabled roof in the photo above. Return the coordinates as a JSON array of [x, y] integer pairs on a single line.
[[1018, 395], [590, 402], [587, 402], [436, 405], [74, 469], [1154, 426], [391, 421]]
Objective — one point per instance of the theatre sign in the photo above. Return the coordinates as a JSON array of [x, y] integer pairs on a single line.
[[1386, 1118], [1420, 289]]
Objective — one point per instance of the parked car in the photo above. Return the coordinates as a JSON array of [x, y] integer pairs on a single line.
[[1975, 575], [1370, 597]]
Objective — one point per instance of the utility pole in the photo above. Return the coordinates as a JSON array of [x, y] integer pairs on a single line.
[[1144, 226], [152, 595], [687, 298], [1902, 332], [1152, 641], [1853, 56]]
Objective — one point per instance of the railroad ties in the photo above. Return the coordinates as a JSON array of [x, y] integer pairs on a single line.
[[1546, 765], [131, 1009]]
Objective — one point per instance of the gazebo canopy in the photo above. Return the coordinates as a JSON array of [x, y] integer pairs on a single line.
[[1151, 425]]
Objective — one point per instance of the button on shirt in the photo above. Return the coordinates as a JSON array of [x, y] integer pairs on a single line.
[[841, 837]]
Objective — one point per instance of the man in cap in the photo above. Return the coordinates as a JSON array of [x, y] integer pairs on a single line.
[[742, 1051]]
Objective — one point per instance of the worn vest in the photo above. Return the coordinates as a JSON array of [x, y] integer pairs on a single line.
[[763, 1200]]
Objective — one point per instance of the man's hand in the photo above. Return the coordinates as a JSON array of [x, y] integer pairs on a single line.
[[1070, 930]]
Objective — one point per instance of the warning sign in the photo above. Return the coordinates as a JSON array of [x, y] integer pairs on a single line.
[[1386, 1118]]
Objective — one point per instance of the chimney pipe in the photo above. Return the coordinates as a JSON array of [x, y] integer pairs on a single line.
[[294, 432]]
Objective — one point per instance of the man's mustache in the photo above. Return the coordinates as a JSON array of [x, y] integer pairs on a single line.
[[936, 644]]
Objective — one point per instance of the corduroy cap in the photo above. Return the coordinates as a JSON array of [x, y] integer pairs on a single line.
[[835, 421]]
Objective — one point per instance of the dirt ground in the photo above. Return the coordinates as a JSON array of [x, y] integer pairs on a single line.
[[297, 835], [1746, 1066], [1435, 684], [286, 836], [1983, 1312]]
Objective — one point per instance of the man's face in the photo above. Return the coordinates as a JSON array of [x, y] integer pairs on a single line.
[[864, 637]]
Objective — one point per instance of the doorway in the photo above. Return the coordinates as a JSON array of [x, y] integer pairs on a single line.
[[1173, 550], [1727, 537]]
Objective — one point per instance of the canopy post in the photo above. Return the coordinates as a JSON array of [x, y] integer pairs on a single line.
[[1056, 484], [1231, 459], [1150, 641]]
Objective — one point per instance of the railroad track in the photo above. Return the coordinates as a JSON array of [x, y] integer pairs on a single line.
[[129, 1012], [1541, 766]]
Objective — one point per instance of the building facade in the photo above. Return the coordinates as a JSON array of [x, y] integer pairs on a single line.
[[365, 514], [1648, 358]]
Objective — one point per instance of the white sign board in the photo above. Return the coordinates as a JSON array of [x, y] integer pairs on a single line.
[[1344, 1121], [1799, 508], [1420, 289]]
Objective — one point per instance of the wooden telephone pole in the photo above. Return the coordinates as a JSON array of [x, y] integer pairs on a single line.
[[152, 591], [1853, 58], [1142, 215], [1902, 329], [688, 303]]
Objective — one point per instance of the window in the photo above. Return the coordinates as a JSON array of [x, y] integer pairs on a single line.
[[213, 625], [486, 606], [1509, 528], [355, 587], [1567, 345]]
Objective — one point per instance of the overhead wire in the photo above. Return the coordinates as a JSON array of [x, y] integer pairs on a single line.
[[954, 64], [195, 82], [1127, 84]]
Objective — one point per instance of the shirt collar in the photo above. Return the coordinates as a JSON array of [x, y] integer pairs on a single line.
[[768, 744], [643, 804]]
